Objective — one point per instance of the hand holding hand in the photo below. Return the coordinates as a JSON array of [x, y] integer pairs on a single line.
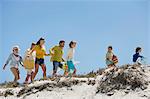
[[4, 67]]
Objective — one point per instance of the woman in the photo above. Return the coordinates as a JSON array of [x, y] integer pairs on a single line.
[[29, 62], [111, 59], [70, 58], [39, 60], [15, 59]]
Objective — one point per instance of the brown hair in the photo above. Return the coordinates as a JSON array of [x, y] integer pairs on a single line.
[[110, 47], [38, 42], [62, 41], [137, 49], [71, 43]]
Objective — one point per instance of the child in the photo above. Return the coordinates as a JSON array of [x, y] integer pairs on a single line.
[[15, 59], [70, 58], [29, 63], [111, 59], [137, 57]]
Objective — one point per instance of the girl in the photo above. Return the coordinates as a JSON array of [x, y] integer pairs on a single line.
[[70, 58], [15, 59], [39, 60], [29, 63]]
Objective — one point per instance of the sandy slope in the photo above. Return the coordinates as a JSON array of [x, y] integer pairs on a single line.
[[81, 90]]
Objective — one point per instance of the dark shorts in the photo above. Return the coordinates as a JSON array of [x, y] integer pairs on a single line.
[[56, 65], [39, 61]]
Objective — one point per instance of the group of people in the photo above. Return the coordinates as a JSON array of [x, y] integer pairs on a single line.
[[34, 57], [112, 60]]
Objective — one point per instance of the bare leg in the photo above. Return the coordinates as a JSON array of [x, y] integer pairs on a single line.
[[74, 73], [36, 70], [15, 73], [54, 73], [44, 70], [27, 78], [31, 77]]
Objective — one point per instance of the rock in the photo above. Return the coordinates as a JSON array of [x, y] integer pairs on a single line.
[[128, 76], [91, 82], [126, 91], [8, 93], [110, 93]]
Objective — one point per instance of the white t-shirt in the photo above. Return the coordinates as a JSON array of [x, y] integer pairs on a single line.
[[70, 54]]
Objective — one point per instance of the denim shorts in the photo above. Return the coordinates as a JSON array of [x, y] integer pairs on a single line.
[[39, 61], [56, 65]]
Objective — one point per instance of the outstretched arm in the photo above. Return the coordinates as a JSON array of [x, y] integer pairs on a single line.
[[141, 56], [31, 51], [47, 54], [9, 58], [4, 67]]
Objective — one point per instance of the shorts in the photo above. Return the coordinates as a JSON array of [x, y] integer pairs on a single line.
[[15, 72], [71, 66], [39, 61], [56, 65], [108, 62]]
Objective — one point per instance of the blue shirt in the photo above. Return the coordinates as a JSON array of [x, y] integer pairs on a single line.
[[136, 56]]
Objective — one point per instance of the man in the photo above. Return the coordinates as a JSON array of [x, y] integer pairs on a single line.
[[57, 56]]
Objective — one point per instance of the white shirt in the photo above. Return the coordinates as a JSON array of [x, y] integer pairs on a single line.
[[70, 54]]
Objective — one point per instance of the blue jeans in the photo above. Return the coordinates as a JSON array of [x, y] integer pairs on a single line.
[[56, 65]]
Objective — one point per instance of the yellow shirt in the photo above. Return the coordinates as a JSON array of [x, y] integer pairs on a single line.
[[57, 54], [40, 52]]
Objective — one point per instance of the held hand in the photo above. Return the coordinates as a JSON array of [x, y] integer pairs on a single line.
[[52, 54], [47, 54], [4, 67], [63, 60], [30, 52]]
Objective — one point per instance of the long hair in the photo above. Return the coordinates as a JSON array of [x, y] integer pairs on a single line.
[[38, 42]]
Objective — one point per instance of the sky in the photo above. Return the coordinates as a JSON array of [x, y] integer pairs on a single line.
[[94, 24]]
